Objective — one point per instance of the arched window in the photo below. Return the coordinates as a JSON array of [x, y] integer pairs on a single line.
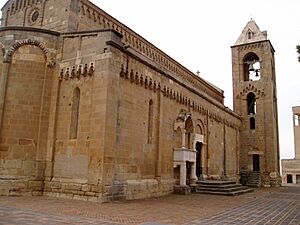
[[251, 67], [189, 130], [251, 103], [250, 34], [150, 121], [199, 129], [75, 113]]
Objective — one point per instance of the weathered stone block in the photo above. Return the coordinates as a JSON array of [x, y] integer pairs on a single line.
[[35, 185], [80, 197], [73, 187], [182, 190], [85, 187]]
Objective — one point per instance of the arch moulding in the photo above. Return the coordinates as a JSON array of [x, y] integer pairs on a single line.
[[48, 54]]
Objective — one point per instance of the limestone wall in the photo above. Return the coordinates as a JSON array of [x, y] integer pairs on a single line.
[[25, 93], [134, 83]]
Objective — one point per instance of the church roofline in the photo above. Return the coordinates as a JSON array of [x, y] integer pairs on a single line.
[[204, 82], [93, 31], [193, 90], [4, 5], [32, 29]]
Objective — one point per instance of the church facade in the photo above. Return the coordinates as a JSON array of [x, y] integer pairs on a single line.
[[91, 110]]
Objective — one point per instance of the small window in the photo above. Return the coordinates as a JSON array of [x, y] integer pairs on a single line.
[[150, 121], [34, 16], [249, 35], [251, 103], [252, 123], [75, 114]]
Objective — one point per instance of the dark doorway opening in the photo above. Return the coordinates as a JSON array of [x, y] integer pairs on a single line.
[[289, 178], [297, 179], [198, 159], [256, 162]]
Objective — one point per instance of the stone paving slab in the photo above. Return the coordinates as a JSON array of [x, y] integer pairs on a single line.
[[275, 208], [264, 206], [16, 216]]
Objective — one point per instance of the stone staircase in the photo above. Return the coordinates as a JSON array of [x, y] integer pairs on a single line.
[[218, 187]]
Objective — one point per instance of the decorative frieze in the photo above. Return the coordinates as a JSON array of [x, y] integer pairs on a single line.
[[251, 88], [250, 46], [77, 71], [149, 83]]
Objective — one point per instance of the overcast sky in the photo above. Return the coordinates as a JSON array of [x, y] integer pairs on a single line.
[[198, 34]]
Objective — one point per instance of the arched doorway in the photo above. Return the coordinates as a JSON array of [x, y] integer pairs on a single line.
[[199, 169]]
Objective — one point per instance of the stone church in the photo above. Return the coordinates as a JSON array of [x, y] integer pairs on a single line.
[[91, 110]]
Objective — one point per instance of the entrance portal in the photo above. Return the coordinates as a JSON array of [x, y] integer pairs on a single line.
[[289, 178], [198, 159], [256, 162]]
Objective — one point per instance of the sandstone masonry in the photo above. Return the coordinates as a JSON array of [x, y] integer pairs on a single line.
[[91, 110]]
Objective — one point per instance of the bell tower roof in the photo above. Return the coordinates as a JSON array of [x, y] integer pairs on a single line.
[[251, 33]]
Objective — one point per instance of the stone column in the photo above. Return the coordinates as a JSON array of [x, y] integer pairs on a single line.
[[183, 174], [3, 84], [193, 175], [183, 131]]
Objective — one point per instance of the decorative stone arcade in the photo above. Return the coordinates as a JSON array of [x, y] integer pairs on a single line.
[[185, 156]]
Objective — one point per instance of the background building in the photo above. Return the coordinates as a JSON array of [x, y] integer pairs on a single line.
[[291, 167]]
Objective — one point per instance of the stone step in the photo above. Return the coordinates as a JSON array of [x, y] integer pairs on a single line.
[[215, 182], [224, 186], [220, 187], [232, 189], [227, 193]]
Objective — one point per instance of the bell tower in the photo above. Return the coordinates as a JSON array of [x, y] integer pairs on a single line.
[[254, 99]]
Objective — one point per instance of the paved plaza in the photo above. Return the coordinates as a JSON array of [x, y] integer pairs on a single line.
[[263, 206]]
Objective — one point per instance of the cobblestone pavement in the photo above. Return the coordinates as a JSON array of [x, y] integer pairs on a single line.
[[264, 206]]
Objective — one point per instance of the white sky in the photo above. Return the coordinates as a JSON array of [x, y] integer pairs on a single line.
[[198, 34]]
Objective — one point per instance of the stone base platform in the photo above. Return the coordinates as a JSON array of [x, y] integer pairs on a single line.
[[219, 187]]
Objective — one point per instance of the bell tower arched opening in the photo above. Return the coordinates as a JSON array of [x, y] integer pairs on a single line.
[[251, 67]]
